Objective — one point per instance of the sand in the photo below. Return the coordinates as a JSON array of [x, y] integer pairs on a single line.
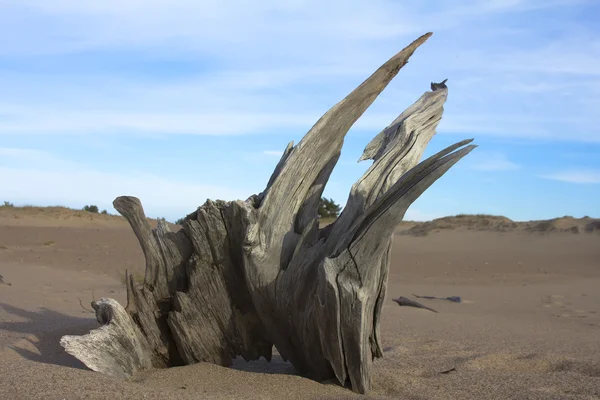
[[528, 328]]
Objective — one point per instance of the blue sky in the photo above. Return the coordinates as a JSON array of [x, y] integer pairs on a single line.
[[179, 101]]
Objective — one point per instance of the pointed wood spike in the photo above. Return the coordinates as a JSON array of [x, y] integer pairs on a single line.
[[319, 146], [389, 209], [131, 208], [395, 150]]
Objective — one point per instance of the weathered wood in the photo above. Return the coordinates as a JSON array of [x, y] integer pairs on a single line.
[[118, 348], [243, 276]]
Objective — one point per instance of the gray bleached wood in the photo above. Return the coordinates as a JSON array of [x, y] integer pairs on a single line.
[[242, 276], [104, 350]]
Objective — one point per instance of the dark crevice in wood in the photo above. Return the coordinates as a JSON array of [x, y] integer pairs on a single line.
[[345, 367]]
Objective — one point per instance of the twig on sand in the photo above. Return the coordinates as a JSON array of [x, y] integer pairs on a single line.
[[82, 306], [403, 301], [87, 309], [454, 299], [4, 283], [448, 370]]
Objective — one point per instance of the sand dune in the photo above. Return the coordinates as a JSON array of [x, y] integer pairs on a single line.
[[502, 224], [528, 326]]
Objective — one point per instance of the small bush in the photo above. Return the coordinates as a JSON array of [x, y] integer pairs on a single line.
[[92, 209], [104, 212], [179, 221], [8, 204], [328, 208]]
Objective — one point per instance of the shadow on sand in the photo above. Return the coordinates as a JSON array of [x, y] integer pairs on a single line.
[[276, 366], [40, 340]]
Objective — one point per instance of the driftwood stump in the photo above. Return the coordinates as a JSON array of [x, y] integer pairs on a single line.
[[242, 276]]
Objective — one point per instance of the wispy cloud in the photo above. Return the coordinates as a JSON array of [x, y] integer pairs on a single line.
[[209, 68], [417, 215], [274, 153], [161, 83], [493, 162], [575, 176], [242, 25], [46, 179], [33, 158], [27, 154], [65, 122]]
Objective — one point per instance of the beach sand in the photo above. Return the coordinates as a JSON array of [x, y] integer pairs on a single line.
[[528, 326]]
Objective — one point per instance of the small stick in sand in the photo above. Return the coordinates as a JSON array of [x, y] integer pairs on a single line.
[[82, 306], [454, 299], [403, 301], [448, 371], [87, 309]]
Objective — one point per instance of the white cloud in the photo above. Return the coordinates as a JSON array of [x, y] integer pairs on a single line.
[[53, 181], [583, 176], [274, 153], [578, 56], [493, 162], [185, 25], [283, 64], [537, 87], [11, 156], [66, 122], [416, 215], [60, 26], [28, 154], [539, 126]]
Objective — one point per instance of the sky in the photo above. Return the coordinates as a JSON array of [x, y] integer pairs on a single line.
[[179, 101]]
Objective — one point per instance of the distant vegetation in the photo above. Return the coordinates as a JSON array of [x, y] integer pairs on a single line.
[[92, 209], [328, 208], [89, 208]]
